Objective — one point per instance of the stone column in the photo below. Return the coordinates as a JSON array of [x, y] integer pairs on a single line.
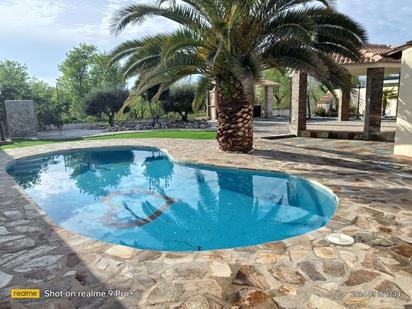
[[344, 104], [268, 101], [373, 104], [299, 102]]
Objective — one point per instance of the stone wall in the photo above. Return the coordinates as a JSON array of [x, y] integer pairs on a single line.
[[21, 118], [403, 140]]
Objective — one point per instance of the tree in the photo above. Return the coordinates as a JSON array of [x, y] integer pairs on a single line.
[[153, 96], [104, 75], [388, 94], [52, 105], [83, 69], [229, 43], [14, 81], [107, 101], [76, 77], [49, 112], [180, 100]]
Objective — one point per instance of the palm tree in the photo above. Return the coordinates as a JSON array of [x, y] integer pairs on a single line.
[[388, 94], [230, 43]]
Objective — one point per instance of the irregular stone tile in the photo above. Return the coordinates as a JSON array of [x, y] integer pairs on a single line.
[[19, 258], [334, 268], [187, 271], [364, 237], [146, 281], [61, 303], [13, 214], [72, 259], [358, 277], [220, 270], [197, 302], [357, 302], [42, 274], [325, 252], [288, 290], [275, 246], [217, 255], [382, 242], [348, 257], [158, 267], [328, 286], [17, 222], [21, 243], [105, 263], [27, 229], [249, 275], [268, 258], [121, 252], [372, 261], [37, 262], [70, 273], [310, 270], [5, 279], [173, 259], [4, 239], [251, 298], [144, 256], [365, 223], [385, 229], [404, 250], [287, 275], [362, 246], [387, 286], [389, 261], [3, 230], [297, 254], [317, 302], [204, 286]]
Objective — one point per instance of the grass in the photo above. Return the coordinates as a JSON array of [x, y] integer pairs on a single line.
[[205, 135]]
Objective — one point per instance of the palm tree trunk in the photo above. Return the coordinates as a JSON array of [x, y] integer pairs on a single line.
[[234, 119]]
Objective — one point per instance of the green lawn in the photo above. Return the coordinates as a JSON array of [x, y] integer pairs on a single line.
[[153, 134]]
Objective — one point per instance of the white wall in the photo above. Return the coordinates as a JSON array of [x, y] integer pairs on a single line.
[[403, 139], [390, 109]]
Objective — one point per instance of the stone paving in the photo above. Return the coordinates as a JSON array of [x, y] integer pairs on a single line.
[[375, 208]]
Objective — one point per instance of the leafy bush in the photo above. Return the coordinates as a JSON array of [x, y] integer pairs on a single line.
[[180, 100], [107, 101], [320, 111], [353, 110]]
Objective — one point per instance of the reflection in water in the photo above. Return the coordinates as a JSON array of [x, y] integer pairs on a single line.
[[140, 198], [28, 172], [158, 169], [95, 172]]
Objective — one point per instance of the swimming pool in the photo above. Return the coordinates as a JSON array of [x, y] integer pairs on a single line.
[[138, 197]]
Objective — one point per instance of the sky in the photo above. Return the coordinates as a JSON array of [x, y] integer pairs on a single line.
[[39, 33]]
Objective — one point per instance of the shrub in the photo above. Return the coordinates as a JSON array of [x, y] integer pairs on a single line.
[[320, 111], [107, 101], [180, 100]]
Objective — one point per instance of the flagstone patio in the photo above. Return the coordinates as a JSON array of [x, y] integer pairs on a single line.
[[375, 208]]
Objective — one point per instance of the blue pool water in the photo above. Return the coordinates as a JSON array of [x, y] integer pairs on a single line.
[[140, 198]]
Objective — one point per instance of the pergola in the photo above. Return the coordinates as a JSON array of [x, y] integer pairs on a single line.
[[376, 62]]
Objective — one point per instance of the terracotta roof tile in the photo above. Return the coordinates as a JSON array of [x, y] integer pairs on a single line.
[[268, 83], [371, 53]]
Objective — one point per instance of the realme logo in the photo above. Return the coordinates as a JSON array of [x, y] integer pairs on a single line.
[[24, 293]]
